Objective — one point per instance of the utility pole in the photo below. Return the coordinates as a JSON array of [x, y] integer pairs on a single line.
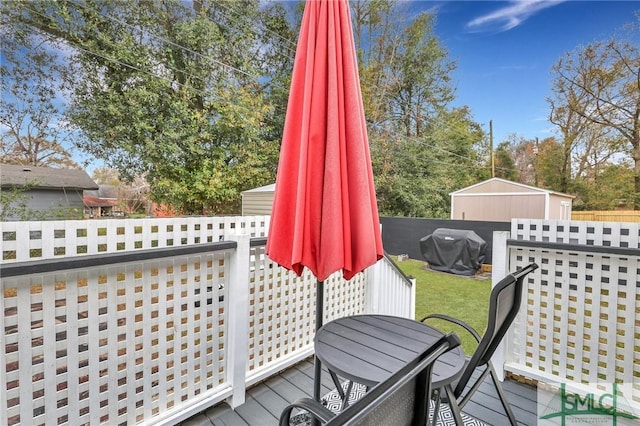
[[493, 163], [535, 168]]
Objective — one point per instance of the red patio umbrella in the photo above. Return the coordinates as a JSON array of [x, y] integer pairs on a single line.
[[325, 215]]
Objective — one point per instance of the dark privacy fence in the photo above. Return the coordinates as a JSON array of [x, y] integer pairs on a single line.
[[401, 235]]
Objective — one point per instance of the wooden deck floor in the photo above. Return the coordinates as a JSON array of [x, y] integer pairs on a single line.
[[266, 401]]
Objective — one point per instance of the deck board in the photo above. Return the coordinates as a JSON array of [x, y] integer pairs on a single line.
[[266, 401], [269, 399], [253, 413], [486, 406]]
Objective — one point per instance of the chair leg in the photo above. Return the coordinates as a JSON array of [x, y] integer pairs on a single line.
[[489, 370], [337, 384], [503, 397], [468, 393], [453, 404], [345, 401], [344, 396], [437, 398]]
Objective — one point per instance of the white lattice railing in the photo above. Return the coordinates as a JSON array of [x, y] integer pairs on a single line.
[[24, 241], [282, 312], [578, 323], [113, 344], [154, 336]]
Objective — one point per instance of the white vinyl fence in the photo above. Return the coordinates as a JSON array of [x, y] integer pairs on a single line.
[[579, 320], [160, 331], [24, 241]]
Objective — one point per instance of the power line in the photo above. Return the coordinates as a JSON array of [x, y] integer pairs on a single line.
[[459, 133], [177, 45], [231, 68], [172, 82], [286, 40], [446, 163], [428, 145], [172, 43]]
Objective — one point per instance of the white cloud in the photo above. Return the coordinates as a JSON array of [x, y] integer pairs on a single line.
[[509, 17]]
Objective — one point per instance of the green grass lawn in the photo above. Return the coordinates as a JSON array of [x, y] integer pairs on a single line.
[[465, 298]]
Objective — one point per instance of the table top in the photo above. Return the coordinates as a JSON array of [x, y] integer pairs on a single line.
[[370, 348]]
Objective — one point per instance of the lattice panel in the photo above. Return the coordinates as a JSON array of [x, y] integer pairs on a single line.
[[282, 308], [343, 298], [579, 319], [281, 314], [112, 345], [606, 234], [23, 241]]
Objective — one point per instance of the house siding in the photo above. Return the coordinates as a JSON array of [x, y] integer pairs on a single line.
[[43, 192], [50, 204]]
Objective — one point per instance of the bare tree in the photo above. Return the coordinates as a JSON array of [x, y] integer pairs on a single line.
[[597, 101], [133, 197], [30, 119]]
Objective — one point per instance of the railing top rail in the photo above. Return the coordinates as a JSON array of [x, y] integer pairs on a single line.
[[87, 261], [258, 241], [395, 266], [625, 251]]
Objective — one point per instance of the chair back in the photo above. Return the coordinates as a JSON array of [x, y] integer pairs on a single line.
[[402, 399], [504, 305]]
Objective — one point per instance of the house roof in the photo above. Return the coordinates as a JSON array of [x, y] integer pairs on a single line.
[[91, 201], [44, 177], [490, 184], [105, 191]]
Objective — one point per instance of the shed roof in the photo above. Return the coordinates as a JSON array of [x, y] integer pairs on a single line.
[[266, 188], [488, 186], [44, 177]]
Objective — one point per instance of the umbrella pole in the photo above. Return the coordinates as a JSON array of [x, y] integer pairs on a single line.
[[319, 311]]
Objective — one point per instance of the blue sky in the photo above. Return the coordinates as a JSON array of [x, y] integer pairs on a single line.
[[505, 51]]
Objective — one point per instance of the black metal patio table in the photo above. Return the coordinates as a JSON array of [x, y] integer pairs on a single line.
[[367, 349]]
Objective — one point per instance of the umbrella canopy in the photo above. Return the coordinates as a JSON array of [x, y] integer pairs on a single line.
[[325, 215]]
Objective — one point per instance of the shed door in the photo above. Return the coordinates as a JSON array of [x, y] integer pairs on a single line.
[[565, 210]]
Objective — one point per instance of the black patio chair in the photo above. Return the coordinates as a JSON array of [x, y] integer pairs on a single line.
[[402, 399], [504, 304]]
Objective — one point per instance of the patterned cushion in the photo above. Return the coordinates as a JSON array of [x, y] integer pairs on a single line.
[[333, 402]]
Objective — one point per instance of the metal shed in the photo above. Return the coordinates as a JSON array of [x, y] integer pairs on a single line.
[[500, 200], [258, 201]]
